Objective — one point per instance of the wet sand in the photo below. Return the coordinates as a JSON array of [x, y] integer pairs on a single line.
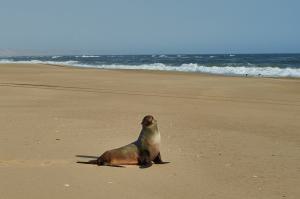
[[226, 137]]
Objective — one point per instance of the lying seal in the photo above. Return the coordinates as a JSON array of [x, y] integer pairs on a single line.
[[141, 152]]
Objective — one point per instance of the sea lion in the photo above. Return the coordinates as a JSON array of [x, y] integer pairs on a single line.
[[141, 152]]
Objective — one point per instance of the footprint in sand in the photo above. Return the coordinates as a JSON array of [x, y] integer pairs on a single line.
[[54, 162], [3, 163], [46, 163]]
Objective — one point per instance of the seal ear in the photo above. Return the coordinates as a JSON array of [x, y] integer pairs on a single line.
[[147, 120]]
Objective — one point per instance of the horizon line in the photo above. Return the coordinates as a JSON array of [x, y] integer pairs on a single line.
[[146, 54]]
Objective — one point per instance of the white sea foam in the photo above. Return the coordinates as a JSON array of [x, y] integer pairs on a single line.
[[182, 56], [55, 57], [68, 63], [227, 70], [87, 56], [162, 56]]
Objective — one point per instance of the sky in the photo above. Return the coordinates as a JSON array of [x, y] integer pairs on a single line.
[[149, 26]]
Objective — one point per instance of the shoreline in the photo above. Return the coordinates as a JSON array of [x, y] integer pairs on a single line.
[[155, 71]]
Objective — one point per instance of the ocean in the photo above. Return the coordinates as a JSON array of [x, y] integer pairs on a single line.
[[262, 65]]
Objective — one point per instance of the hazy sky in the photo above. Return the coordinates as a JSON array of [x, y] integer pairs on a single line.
[[149, 26]]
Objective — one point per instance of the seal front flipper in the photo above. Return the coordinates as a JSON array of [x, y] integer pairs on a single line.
[[144, 159], [158, 160]]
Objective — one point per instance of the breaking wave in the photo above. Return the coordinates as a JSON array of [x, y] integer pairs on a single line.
[[87, 56], [55, 57], [226, 70]]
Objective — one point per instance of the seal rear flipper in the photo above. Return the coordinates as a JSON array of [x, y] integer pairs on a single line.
[[144, 159], [87, 156], [158, 160], [89, 162]]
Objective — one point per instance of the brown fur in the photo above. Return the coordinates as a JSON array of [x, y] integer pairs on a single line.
[[141, 152]]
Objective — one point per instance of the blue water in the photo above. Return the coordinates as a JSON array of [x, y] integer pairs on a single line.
[[269, 65]]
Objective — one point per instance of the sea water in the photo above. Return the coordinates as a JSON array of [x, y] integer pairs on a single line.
[[265, 65]]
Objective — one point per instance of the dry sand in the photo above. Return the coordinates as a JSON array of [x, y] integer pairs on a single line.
[[226, 137]]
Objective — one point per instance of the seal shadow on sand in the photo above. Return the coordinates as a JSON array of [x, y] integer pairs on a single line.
[[94, 161]]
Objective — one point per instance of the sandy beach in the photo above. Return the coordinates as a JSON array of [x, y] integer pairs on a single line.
[[226, 137]]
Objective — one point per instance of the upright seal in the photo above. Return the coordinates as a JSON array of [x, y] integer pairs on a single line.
[[144, 151]]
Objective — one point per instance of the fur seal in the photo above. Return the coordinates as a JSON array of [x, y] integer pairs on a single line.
[[143, 151]]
